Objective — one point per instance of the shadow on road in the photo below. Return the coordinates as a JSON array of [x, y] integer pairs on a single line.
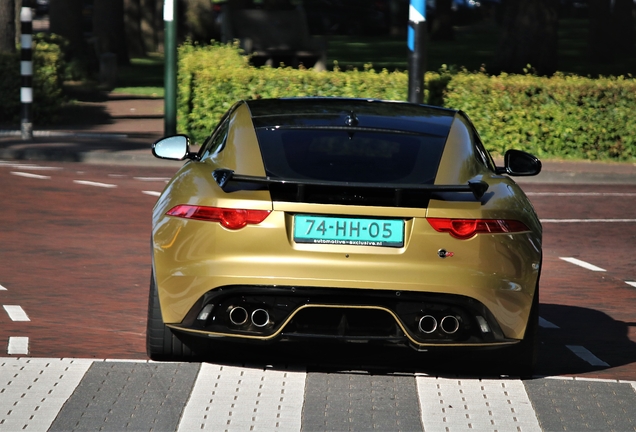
[[605, 338]]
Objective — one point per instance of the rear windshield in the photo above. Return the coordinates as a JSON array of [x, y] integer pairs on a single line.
[[343, 155]]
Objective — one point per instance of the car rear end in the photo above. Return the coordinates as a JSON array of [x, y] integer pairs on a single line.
[[351, 222]]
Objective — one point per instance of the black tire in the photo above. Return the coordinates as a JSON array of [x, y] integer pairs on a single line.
[[161, 342], [523, 357]]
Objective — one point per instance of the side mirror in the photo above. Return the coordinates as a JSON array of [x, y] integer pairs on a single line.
[[175, 147], [520, 163]]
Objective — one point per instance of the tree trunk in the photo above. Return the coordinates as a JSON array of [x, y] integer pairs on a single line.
[[152, 24], [442, 22], [143, 20], [600, 47], [398, 10], [623, 26], [132, 23], [66, 19], [611, 30], [109, 30], [529, 37], [7, 26]]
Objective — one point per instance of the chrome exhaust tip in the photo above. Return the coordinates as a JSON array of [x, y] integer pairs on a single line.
[[427, 324], [238, 315], [449, 324], [260, 317]]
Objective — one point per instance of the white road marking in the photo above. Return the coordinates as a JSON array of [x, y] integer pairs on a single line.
[[547, 324], [152, 193], [16, 313], [2, 288], [471, 404], [97, 184], [239, 398], [590, 194], [30, 175], [586, 355], [18, 345], [631, 283], [588, 220], [16, 165], [583, 264], [152, 179], [37, 168], [33, 390]]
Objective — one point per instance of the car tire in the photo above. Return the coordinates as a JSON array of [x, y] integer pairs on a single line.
[[523, 358], [161, 342]]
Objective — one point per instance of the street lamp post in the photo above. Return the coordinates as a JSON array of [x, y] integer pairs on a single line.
[[170, 67], [417, 50]]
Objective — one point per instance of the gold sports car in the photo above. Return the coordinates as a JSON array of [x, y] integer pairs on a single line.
[[345, 219]]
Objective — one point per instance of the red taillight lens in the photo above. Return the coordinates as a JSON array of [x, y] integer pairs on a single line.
[[466, 228], [229, 218]]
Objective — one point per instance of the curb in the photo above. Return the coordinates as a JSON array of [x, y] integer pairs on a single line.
[[579, 178], [60, 134]]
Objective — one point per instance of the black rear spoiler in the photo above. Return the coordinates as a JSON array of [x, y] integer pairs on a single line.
[[226, 176]]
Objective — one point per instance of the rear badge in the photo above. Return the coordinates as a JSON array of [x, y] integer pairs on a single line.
[[442, 253]]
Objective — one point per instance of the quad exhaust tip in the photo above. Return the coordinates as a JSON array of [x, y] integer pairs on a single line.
[[449, 324], [238, 315], [427, 324], [260, 318]]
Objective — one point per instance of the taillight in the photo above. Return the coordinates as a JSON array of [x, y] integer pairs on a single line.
[[466, 228], [229, 218]]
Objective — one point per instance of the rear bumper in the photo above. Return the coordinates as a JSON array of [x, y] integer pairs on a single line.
[[422, 321]]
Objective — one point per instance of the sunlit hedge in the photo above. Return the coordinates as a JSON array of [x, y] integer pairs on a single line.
[[211, 79], [47, 82], [562, 116]]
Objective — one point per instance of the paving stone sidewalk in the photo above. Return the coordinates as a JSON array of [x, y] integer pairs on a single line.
[[38, 394]]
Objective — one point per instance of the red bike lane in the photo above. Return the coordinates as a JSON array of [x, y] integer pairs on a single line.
[[76, 259]]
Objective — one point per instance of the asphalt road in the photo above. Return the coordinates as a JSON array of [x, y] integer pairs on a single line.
[[74, 280]]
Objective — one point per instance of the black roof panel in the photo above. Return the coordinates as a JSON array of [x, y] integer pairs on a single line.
[[320, 112]]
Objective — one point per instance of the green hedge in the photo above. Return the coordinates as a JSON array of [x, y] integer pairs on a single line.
[[48, 66], [211, 79], [563, 116]]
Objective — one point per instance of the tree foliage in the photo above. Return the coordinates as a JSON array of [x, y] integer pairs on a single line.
[[108, 29]]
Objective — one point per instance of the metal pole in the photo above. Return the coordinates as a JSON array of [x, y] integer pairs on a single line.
[[417, 50], [170, 67], [26, 70]]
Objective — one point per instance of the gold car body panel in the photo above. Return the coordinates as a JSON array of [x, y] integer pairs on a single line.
[[499, 270], [244, 156]]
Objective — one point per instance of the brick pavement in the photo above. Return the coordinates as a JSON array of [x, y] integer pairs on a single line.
[[115, 129]]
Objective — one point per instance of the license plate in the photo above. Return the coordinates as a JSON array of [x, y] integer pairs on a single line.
[[348, 231]]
